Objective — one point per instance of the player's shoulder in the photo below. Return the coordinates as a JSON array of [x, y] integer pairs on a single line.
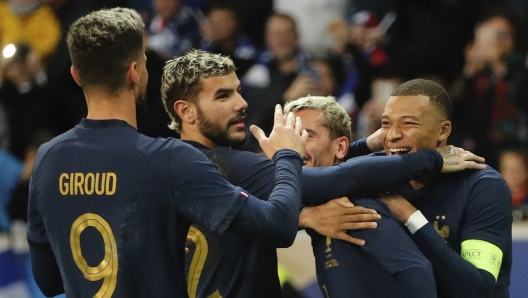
[[488, 175]]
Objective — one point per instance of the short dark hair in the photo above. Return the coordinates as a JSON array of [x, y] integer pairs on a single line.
[[437, 95], [182, 77], [103, 43]]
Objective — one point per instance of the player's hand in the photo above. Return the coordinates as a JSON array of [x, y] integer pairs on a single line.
[[337, 216], [457, 159], [188, 239], [399, 206], [374, 141], [287, 133]]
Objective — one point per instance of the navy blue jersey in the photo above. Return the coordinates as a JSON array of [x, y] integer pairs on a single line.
[[236, 267], [388, 265], [115, 206], [231, 265], [459, 207]]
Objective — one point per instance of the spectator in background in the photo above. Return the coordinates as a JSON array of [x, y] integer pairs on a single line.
[[221, 32], [357, 52], [282, 73], [25, 95], [312, 17], [368, 120], [31, 22], [330, 77], [487, 111], [175, 28], [513, 166], [428, 36]]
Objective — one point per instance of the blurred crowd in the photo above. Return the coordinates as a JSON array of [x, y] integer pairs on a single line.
[[357, 51]]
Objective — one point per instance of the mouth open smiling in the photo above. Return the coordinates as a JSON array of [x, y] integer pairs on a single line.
[[399, 151]]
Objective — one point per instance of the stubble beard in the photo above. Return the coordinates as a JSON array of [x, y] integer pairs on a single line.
[[218, 134]]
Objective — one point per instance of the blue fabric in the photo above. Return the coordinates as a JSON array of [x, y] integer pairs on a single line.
[[10, 168]]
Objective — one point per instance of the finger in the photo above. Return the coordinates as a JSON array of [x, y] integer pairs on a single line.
[[348, 226], [298, 125], [473, 157], [359, 218], [278, 118], [257, 132], [345, 237], [189, 238], [344, 202], [186, 250], [304, 136], [474, 165], [360, 210], [290, 120]]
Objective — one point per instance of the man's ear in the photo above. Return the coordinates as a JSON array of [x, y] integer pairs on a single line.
[[74, 75], [445, 130], [132, 73], [342, 144], [185, 110]]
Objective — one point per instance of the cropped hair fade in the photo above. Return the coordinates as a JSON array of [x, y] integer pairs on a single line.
[[438, 96], [103, 43], [182, 75]]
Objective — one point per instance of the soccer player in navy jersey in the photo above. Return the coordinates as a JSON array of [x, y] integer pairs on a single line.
[[201, 94], [109, 208], [462, 221], [389, 265]]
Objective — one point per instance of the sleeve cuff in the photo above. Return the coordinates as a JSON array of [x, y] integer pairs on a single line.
[[416, 222]]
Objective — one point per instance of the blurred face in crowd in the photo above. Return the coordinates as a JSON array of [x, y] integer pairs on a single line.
[[167, 9], [411, 123], [326, 84], [514, 170], [221, 110], [222, 24], [281, 37], [495, 35], [320, 150]]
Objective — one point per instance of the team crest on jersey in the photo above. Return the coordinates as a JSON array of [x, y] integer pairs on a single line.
[[444, 230], [329, 261]]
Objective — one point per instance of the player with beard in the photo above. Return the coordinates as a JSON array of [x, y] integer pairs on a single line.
[[109, 208], [201, 94]]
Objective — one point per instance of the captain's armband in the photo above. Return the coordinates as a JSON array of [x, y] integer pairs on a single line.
[[483, 255]]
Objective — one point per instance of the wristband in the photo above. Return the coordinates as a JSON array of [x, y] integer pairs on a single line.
[[416, 222]]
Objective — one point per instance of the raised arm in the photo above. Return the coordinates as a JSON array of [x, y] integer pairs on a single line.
[[275, 220], [372, 176]]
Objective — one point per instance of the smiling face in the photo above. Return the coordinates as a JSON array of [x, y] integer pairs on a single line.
[[411, 124], [320, 150], [221, 111]]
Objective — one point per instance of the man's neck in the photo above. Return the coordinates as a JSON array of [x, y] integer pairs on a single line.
[[104, 106], [196, 136]]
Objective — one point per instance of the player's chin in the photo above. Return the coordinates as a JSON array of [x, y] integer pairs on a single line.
[[237, 136]]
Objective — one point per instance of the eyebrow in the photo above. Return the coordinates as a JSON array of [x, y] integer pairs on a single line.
[[226, 90], [223, 90], [403, 117]]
